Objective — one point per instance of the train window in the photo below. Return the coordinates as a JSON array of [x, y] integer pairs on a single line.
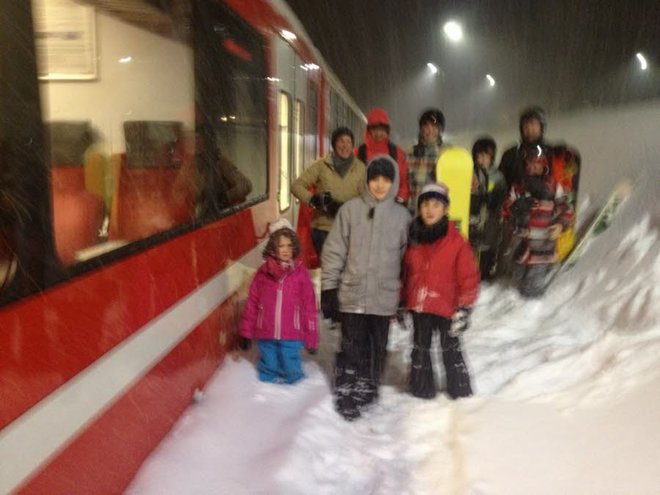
[[284, 124], [235, 88], [157, 134], [121, 135], [298, 137], [312, 123]]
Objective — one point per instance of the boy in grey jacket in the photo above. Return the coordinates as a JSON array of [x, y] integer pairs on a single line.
[[361, 283]]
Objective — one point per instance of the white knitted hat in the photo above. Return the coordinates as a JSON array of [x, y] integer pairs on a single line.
[[281, 223]]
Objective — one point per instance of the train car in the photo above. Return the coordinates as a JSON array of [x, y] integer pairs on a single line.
[[144, 148]]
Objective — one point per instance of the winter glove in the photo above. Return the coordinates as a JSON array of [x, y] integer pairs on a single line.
[[311, 351], [460, 321], [401, 313], [316, 201], [244, 343], [555, 231], [330, 304], [333, 207], [320, 201], [520, 211]]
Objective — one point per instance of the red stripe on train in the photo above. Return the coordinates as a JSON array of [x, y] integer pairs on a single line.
[[105, 457], [49, 338]]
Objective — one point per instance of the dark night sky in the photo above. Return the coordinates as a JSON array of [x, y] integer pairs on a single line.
[[560, 54]]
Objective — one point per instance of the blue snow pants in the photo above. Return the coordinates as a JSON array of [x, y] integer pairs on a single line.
[[280, 360]]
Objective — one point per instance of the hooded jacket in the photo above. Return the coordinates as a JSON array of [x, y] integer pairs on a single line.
[[362, 254], [441, 275], [281, 305]]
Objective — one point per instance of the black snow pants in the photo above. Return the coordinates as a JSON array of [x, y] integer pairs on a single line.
[[422, 382], [531, 279], [360, 362]]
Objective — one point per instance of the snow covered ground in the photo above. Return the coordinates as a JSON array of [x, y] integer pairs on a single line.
[[567, 399]]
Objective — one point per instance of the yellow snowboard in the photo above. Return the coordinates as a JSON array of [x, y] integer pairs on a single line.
[[454, 168]]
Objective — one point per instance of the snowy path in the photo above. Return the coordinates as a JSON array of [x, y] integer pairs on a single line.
[[567, 400]]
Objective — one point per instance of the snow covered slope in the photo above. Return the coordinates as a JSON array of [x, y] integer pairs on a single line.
[[567, 399]]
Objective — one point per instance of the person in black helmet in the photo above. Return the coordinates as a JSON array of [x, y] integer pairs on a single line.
[[423, 156], [486, 198], [532, 147], [532, 126]]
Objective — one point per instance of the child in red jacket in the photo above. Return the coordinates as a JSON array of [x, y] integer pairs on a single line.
[[441, 283], [280, 312]]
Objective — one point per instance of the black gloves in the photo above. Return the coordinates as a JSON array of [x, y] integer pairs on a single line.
[[325, 204], [330, 304], [318, 201], [312, 351], [460, 321], [333, 207], [244, 343], [520, 211], [401, 312]]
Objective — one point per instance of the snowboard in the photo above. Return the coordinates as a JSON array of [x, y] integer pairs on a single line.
[[599, 224], [455, 169], [602, 221], [566, 171]]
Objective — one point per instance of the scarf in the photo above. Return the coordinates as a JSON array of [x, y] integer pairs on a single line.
[[419, 233], [278, 269], [341, 165]]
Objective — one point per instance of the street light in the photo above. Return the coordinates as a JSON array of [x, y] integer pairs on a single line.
[[453, 31], [642, 61], [433, 68], [491, 80]]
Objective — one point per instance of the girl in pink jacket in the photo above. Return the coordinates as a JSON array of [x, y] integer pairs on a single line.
[[280, 311]]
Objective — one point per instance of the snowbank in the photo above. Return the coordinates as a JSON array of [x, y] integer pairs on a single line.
[[567, 399]]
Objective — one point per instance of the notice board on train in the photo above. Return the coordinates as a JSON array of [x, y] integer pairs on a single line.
[[65, 40]]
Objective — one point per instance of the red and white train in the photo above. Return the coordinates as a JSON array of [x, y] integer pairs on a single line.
[[126, 237]]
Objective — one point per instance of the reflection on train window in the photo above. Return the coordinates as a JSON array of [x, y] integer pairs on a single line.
[[121, 144], [238, 76], [284, 124]]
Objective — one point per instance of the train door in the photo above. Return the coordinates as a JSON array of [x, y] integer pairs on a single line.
[[292, 75]]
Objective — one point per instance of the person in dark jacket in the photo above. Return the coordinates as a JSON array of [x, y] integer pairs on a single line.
[[441, 284], [486, 198], [532, 125], [539, 210], [361, 283]]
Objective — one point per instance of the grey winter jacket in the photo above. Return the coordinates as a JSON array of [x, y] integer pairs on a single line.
[[362, 256]]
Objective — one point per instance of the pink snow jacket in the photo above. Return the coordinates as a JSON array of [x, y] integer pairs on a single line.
[[281, 305]]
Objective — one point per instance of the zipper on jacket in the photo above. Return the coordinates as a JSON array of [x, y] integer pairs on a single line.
[[278, 311], [260, 317]]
